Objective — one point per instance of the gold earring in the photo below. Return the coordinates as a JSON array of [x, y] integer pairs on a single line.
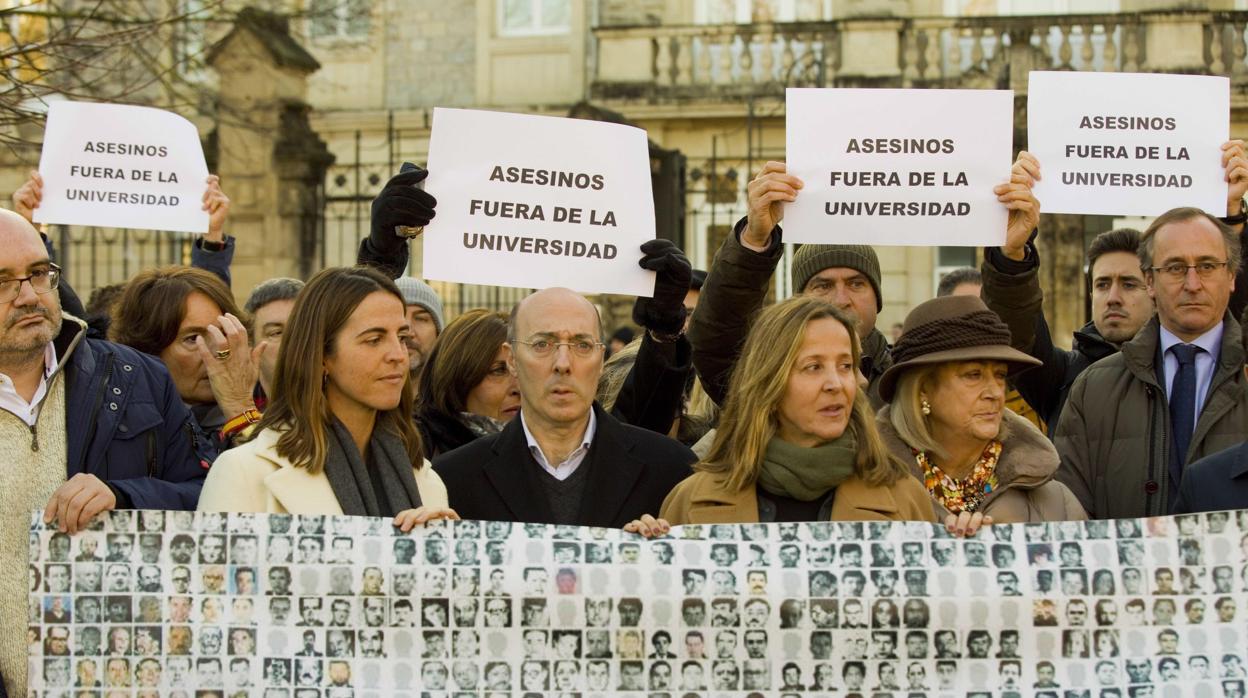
[[925, 406]]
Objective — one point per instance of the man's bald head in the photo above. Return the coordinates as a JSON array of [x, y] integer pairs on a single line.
[[558, 381], [559, 300], [20, 245], [13, 226]]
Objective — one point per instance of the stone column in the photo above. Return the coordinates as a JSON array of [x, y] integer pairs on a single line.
[[1062, 253], [1060, 241], [271, 162]]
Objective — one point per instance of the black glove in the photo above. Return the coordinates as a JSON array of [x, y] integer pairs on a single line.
[[400, 203], [665, 312]]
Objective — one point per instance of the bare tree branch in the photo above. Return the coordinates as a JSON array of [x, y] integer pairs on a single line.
[[150, 52]]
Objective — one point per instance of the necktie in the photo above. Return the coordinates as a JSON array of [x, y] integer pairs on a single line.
[[1182, 410]]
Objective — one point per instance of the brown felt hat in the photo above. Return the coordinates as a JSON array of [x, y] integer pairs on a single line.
[[951, 328]]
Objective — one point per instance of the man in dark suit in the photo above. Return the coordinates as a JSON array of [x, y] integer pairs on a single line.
[[1215, 483], [563, 460], [1219, 481]]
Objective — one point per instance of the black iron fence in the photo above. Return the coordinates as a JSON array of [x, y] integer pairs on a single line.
[[94, 257], [350, 186]]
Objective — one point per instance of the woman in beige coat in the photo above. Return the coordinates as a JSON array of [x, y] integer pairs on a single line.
[[337, 437], [947, 419], [797, 438]]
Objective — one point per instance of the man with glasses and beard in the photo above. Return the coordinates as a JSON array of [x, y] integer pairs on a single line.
[[54, 371]]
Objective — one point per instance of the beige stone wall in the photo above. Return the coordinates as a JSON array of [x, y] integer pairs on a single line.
[[415, 54], [266, 196], [426, 54], [526, 71]]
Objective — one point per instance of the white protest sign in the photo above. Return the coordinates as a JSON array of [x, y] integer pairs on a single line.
[[120, 166], [898, 167], [536, 201], [1128, 143]]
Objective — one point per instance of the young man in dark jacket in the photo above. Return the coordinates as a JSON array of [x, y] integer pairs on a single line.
[[1120, 307]]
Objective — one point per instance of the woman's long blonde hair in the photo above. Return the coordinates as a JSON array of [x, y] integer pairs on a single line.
[[750, 416], [614, 371]]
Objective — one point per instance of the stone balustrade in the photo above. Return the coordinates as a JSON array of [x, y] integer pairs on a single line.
[[691, 62]]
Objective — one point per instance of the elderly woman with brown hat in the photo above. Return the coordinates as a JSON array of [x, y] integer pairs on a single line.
[[946, 418]]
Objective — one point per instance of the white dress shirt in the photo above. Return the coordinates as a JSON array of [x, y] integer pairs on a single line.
[[561, 471], [1206, 361], [28, 411]]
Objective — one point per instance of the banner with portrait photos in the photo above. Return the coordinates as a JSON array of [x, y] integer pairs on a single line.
[[280, 606]]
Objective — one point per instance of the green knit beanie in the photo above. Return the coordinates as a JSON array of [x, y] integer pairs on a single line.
[[812, 259]]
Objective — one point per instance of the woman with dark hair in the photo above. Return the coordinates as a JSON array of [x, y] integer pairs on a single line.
[[884, 614], [1103, 583], [187, 318], [466, 389], [337, 437]]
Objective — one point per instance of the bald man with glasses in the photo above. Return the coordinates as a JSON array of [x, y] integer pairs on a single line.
[[564, 460]]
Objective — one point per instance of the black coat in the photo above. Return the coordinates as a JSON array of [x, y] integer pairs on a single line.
[[441, 433], [653, 394], [631, 470], [1215, 483], [1046, 387]]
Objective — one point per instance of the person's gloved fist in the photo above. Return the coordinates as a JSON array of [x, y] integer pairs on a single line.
[[400, 203], [665, 312]]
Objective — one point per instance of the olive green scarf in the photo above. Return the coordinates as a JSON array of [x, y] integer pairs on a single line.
[[807, 474]]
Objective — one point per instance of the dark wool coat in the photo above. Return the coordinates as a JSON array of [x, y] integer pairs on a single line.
[[631, 470]]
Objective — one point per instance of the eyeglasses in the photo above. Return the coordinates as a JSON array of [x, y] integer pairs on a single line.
[[42, 281], [1177, 271], [545, 347]]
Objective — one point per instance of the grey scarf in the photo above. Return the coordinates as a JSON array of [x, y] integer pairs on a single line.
[[353, 480]]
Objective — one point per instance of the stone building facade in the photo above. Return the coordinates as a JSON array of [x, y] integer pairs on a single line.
[[705, 78]]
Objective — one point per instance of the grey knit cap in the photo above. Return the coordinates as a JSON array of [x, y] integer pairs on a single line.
[[811, 259], [417, 292]]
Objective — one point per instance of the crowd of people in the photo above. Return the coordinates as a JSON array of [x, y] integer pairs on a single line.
[[351, 394]]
